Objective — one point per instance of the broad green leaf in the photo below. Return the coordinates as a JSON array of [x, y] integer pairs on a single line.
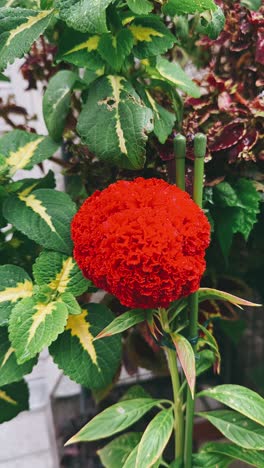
[[71, 303], [92, 75], [210, 460], [33, 326], [115, 48], [251, 4], [118, 450], [97, 361], [80, 49], [15, 284], [151, 37], [235, 427], [22, 150], [174, 7], [206, 294], [250, 199], [14, 398], [225, 195], [114, 419], [123, 322], [60, 273], [10, 370], [48, 181], [240, 399], [56, 102], [215, 24], [155, 439], [134, 392], [140, 7], [252, 457], [174, 74], [114, 122], [187, 359], [163, 119], [84, 15], [44, 216], [19, 28]]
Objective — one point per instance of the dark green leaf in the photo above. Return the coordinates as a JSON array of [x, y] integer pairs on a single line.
[[151, 37], [118, 450], [215, 24], [115, 48], [252, 457], [14, 398], [210, 460], [84, 15]]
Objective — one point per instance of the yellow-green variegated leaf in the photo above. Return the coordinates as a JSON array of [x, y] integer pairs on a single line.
[[22, 150], [35, 325], [151, 37], [174, 74], [44, 216], [15, 284], [14, 398], [97, 361], [10, 370], [19, 28], [84, 15], [80, 49], [115, 48], [60, 273], [114, 122]]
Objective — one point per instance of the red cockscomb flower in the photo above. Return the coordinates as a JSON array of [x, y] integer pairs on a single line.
[[143, 241]]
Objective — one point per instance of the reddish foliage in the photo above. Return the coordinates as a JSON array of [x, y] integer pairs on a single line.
[[143, 241]]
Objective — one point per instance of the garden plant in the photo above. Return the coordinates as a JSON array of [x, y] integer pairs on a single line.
[[139, 211]]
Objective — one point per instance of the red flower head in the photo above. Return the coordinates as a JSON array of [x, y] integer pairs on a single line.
[[143, 241]]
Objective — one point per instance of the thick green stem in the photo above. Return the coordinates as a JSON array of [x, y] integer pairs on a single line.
[[177, 397], [199, 152]]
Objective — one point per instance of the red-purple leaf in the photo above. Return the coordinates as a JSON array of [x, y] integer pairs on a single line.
[[187, 359]]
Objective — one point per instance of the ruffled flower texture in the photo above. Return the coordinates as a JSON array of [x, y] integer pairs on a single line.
[[142, 241]]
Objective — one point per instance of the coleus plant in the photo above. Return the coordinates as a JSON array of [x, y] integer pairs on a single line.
[[111, 53]]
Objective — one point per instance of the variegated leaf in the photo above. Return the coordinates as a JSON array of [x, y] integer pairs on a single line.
[[151, 37], [35, 325], [43, 215], [174, 74], [163, 119], [10, 370], [19, 28], [84, 15], [114, 122], [15, 284], [14, 398], [80, 49], [60, 273], [22, 150], [115, 48], [97, 361]]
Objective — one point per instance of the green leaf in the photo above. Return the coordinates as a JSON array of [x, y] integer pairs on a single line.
[[60, 273], [210, 460], [174, 74], [252, 457], [56, 102], [44, 216], [115, 48], [151, 37], [215, 24], [240, 399], [71, 303], [212, 343], [225, 195], [14, 398], [206, 359], [124, 321], [155, 439], [22, 150], [118, 450], [131, 459], [187, 359], [163, 119], [174, 7], [114, 105], [80, 49], [114, 419], [251, 4], [97, 361], [134, 392], [19, 29], [10, 370], [84, 15], [235, 427], [4, 78], [15, 284], [140, 7], [208, 294], [250, 199], [34, 325]]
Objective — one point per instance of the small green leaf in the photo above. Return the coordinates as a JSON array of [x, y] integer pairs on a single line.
[[174, 74], [44, 216], [206, 359], [187, 359], [163, 119], [15, 284], [71, 303], [115, 48], [140, 7], [56, 102], [14, 398], [84, 15], [251, 4], [174, 7], [99, 360], [252, 457], [118, 450], [215, 24], [19, 29], [155, 439], [33, 326], [240, 399], [114, 105], [235, 427], [114, 419], [124, 321], [10, 370], [207, 294], [151, 37], [210, 460]]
